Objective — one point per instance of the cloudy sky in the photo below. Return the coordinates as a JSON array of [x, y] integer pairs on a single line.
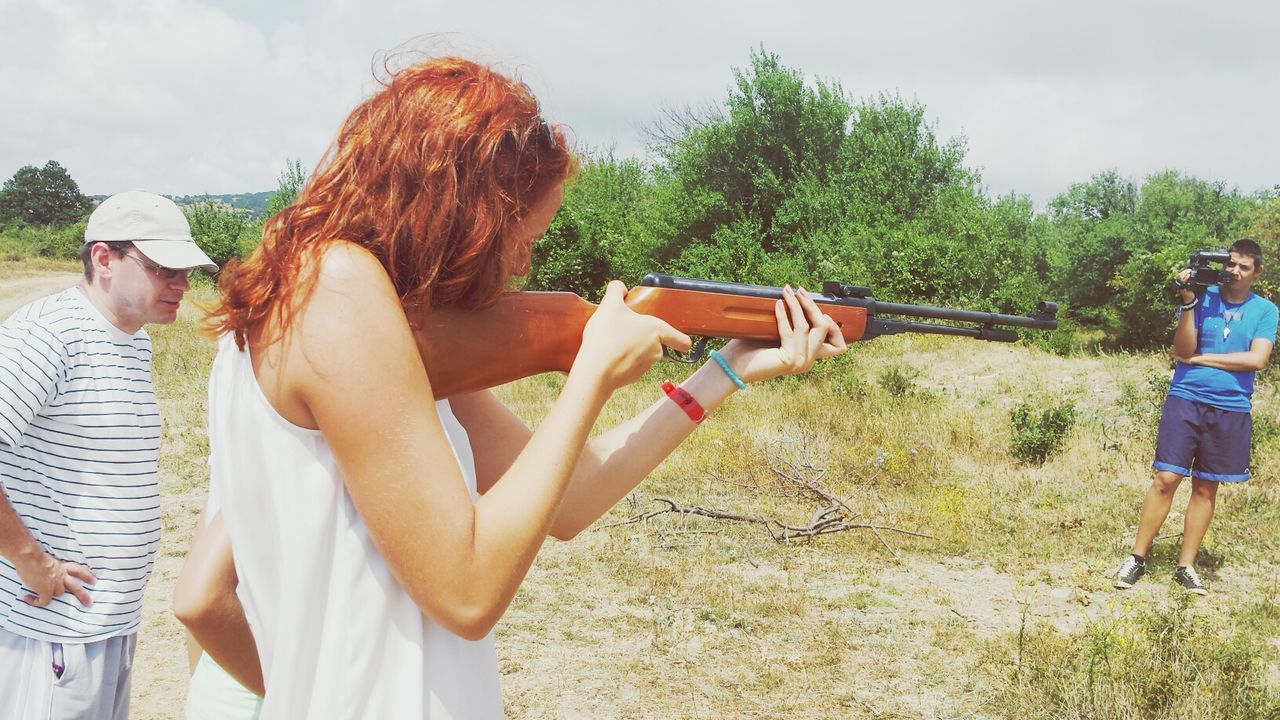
[[192, 96]]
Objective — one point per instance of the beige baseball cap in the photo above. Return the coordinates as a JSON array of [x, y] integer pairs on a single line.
[[154, 224]]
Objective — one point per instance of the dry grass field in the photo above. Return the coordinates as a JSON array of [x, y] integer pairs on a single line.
[[965, 583]]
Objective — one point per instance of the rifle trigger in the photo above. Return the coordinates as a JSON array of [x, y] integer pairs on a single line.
[[693, 357]]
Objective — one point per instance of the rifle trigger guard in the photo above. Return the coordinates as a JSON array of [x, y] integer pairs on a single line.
[[695, 355]]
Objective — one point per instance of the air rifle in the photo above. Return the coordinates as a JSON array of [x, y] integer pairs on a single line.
[[529, 333]]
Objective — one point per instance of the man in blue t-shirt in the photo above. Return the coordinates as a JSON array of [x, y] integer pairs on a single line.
[[1222, 339]]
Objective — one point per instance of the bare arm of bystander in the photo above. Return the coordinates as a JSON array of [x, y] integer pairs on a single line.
[[1252, 360], [205, 602]]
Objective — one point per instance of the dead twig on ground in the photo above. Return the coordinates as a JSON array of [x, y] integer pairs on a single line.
[[793, 478], [823, 522]]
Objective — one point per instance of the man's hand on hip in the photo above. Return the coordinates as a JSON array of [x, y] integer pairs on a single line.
[[49, 577]]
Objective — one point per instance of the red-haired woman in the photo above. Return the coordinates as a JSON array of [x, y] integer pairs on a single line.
[[379, 535]]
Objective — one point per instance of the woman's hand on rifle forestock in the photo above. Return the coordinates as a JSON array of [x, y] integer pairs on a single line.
[[807, 336]]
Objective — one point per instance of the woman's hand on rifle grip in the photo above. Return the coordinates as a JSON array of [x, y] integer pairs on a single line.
[[619, 345], [806, 335]]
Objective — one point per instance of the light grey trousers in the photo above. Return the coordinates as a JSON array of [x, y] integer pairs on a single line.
[[41, 680]]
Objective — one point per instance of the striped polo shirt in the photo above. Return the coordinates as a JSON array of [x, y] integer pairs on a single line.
[[79, 438]]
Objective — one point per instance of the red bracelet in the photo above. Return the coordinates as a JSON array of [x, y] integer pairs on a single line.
[[682, 398]]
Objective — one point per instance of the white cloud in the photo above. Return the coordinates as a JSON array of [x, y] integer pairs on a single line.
[[183, 96]]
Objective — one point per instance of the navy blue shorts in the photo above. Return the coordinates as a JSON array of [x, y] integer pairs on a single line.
[[1203, 441]]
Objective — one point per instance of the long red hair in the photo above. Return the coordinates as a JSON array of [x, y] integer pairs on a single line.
[[429, 175]]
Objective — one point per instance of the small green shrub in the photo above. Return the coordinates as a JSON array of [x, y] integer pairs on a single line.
[[1142, 402], [1040, 434], [1062, 342], [897, 383], [1158, 384]]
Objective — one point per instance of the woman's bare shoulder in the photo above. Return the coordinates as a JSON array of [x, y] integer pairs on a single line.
[[342, 263], [352, 311]]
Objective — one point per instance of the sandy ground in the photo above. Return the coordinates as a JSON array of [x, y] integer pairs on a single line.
[[14, 293], [985, 600]]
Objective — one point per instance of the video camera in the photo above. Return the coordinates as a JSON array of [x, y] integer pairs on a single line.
[[1202, 274]]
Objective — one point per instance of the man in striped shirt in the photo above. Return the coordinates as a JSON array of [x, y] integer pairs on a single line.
[[79, 438]]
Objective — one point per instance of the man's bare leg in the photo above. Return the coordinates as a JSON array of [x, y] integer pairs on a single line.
[[1204, 495], [1155, 508]]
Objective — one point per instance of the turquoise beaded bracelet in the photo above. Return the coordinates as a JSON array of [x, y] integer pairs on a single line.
[[724, 365]]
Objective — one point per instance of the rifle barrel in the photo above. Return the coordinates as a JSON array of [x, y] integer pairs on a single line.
[[1042, 320], [876, 328], [973, 316]]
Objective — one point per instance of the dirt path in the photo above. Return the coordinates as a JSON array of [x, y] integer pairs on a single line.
[[16, 292]]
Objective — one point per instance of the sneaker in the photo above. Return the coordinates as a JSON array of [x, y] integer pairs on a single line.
[[1189, 579], [1130, 570]]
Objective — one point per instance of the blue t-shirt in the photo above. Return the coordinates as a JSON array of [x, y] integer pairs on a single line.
[[1225, 328]]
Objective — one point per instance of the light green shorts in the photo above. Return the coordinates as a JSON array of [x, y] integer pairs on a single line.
[[212, 694]]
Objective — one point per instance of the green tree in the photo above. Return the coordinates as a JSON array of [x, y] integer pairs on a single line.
[[217, 228], [1173, 215], [1093, 225], [42, 196], [763, 161], [894, 166], [791, 181], [1264, 227], [607, 228], [1179, 209], [288, 185]]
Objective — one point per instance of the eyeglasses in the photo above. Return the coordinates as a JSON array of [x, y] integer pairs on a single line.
[[548, 134], [541, 133], [161, 272]]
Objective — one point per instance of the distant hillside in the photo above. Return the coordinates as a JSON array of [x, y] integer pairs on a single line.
[[253, 203]]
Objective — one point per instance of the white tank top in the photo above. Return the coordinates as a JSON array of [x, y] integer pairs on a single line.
[[337, 635]]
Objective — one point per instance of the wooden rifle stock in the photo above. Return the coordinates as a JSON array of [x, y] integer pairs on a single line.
[[529, 333]]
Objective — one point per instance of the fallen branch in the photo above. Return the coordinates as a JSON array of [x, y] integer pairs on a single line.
[[823, 522], [800, 478]]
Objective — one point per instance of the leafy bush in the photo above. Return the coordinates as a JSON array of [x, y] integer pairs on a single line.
[[1039, 434], [47, 241], [1143, 312], [896, 382], [1143, 402], [216, 228], [1064, 342]]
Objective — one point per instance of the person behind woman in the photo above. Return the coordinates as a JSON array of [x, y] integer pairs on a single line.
[[205, 597], [378, 535]]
